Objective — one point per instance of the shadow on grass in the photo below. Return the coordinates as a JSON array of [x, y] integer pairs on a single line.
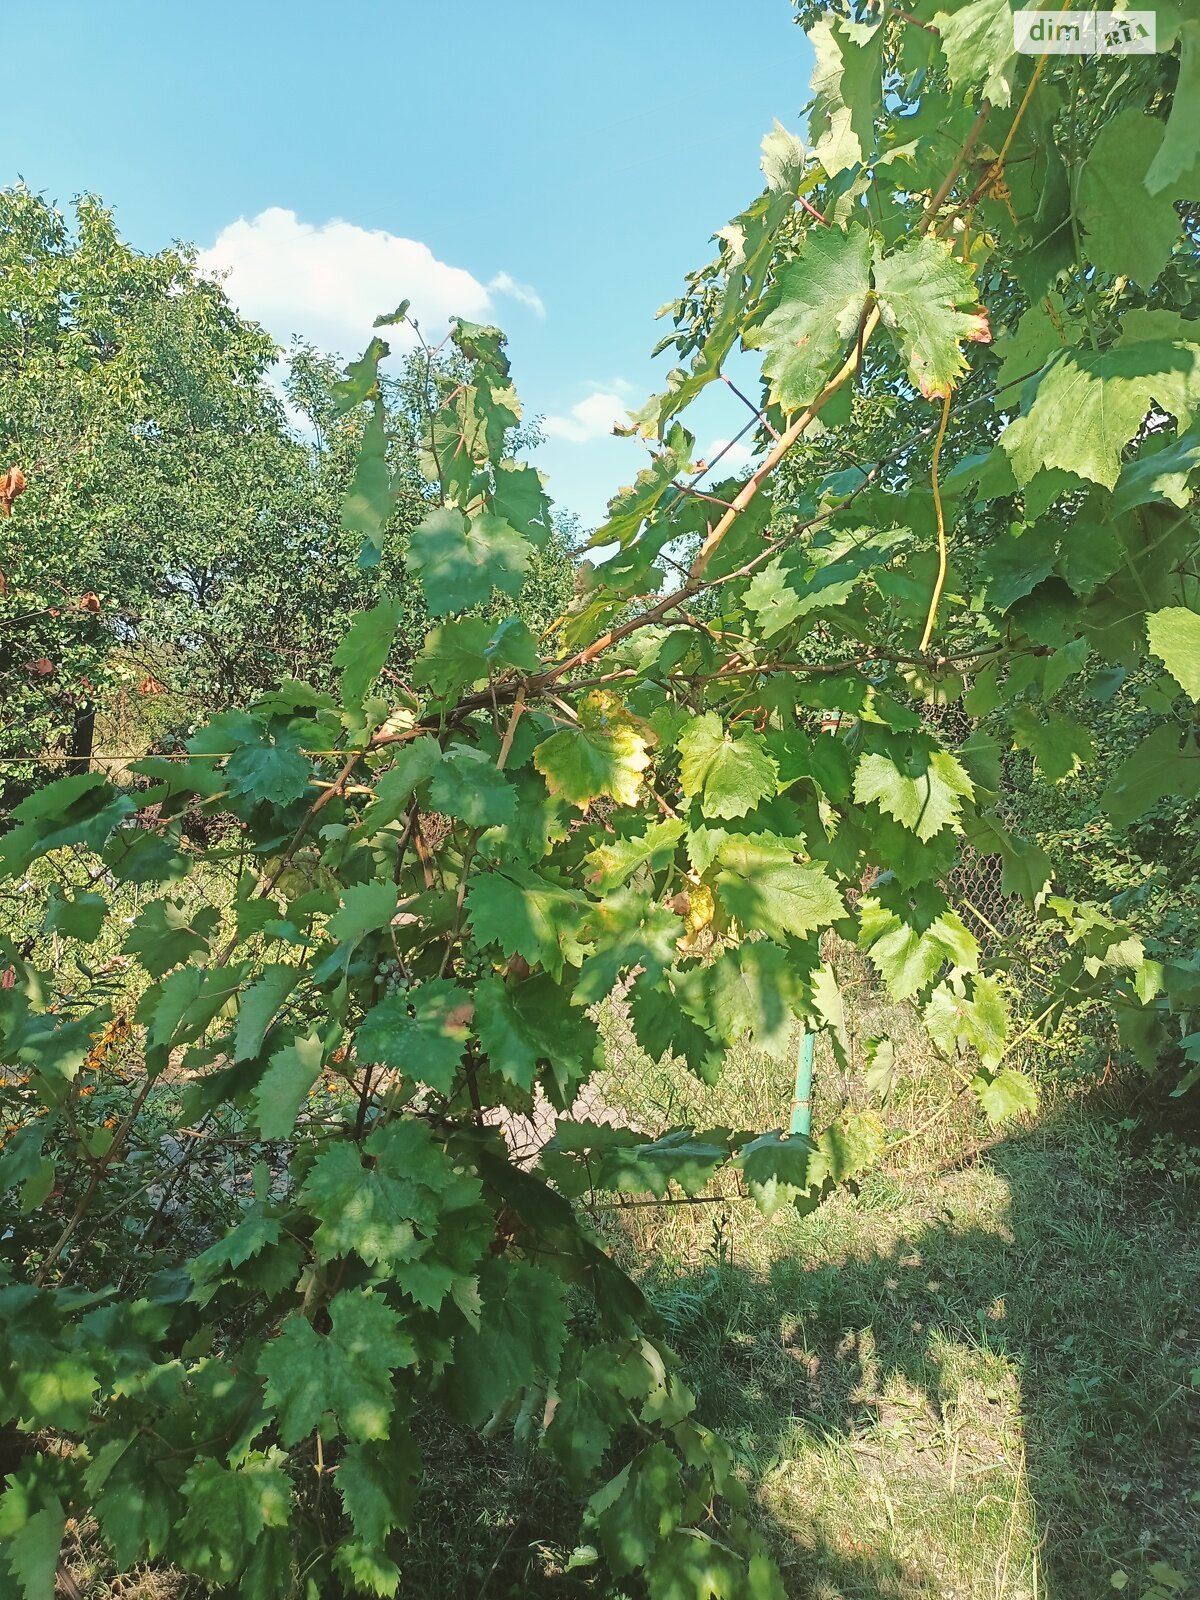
[[988, 1388], [958, 1385]]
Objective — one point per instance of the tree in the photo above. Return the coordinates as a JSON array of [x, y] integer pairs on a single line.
[[176, 534], [134, 398], [422, 920]]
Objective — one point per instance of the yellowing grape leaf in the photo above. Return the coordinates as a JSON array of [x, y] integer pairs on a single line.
[[604, 753], [930, 302]]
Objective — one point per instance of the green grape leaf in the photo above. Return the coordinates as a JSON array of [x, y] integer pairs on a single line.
[[365, 908], [257, 1231], [751, 990], [32, 1549], [510, 1045], [1130, 231], [639, 1508], [629, 931], [520, 1337], [783, 159], [1175, 639], [776, 1169], [82, 809], [467, 785], [376, 1210], [81, 917], [1161, 766], [370, 498], [525, 1026], [768, 891], [454, 657], [361, 381], [663, 1028], [881, 1069], [168, 932], [365, 649], [631, 506], [786, 1169], [909, 938], [377, 1481], [528, 915], [1042, 332], [586, 1408], [282, 1089], [367, 1570], [135, 1508], [1027, 868], [513, 645], [615, 859], [540, 823], [812, 314], [179, 1009], [930, 302], [346, 1372], [980, 1020], [603, 1142], [1180, 150], [1006, 1095], [227, 1511], [643, 1165], [258, 1008], [43, 1381], [784, 591], [52, 1045], [422, 1032], [1060, 745], [919, 785], [269, 768], [520, 498], [979, 45], [730, 775], [690, 1565], [460, 562], [391, 318], [847, 1149], [847, 85], [1084, 407], [1159, 474], [823, 760], [416, 762], [147, 855]]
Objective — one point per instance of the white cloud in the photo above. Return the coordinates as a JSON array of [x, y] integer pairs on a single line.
[[505, 283], [592, 418], [735, 458], [328, 282]]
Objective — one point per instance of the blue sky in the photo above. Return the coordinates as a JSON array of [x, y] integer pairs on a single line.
[[554, 167]]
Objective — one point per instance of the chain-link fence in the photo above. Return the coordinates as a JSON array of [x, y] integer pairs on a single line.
[[974, 886]]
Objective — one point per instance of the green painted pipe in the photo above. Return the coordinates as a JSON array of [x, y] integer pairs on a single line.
[[802, 1102]]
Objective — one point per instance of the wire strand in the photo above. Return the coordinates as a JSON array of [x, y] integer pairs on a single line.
[[935, 598]]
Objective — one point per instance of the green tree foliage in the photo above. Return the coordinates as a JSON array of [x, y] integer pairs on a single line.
[[423, 921], [176, 533]]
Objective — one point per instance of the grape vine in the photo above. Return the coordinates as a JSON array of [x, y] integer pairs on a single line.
[[431, 885]]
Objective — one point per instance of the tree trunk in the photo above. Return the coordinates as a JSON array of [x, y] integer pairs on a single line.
[[83, 736]]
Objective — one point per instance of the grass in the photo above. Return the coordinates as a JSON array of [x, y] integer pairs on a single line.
[[979, 1376], [981, 1388]]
